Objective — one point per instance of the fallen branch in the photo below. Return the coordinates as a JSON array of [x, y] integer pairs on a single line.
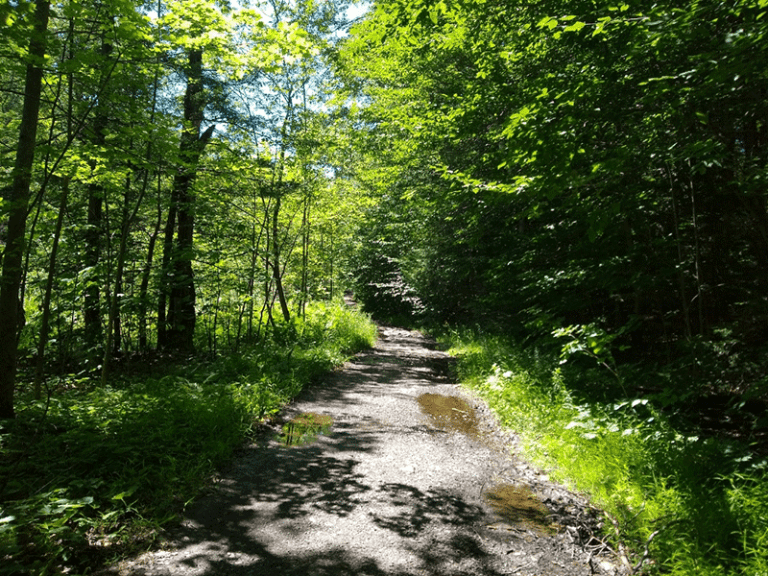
[[647, 547]]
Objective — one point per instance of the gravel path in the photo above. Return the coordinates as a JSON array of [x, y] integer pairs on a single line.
[[390, 490]]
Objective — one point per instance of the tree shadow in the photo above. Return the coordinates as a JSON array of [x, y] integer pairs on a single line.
[[273, 497], [415, 510], [282, 487], [435, 530]]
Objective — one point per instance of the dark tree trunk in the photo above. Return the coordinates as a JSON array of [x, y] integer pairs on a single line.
[[93, 238], [277, 272], [18, 201], [166, 275], [114, 326], [144, 287], [181, 314], [46, 307], [91, 300]]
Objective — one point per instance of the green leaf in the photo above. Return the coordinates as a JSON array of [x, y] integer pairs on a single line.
[[575, 27], [543, 22]]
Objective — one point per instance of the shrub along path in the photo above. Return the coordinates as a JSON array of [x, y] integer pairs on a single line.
[[413, 477]]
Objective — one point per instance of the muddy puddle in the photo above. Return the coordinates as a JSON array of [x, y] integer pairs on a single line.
[[304, 429], [518, 505], [450, 413]]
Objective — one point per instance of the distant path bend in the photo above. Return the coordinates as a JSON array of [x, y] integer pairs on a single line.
[[389, 491]]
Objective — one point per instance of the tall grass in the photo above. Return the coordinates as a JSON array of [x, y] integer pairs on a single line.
[[96, 471], [690, 506]]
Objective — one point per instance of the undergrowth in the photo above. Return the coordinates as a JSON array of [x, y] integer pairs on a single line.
[[94, 472], [681, 504]]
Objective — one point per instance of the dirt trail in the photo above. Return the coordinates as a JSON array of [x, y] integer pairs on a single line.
[[413, 478]]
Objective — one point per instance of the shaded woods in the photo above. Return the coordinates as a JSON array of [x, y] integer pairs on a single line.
[[164, 192], [575, 193]]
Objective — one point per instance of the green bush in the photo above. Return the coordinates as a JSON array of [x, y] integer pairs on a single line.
[[96, 471], [700, 506]]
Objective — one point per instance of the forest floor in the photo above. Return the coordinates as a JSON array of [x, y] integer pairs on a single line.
[[409, 476]]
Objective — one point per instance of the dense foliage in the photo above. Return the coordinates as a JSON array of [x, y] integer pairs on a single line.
[[94, 472], [588, 180], [182, 179], [169, 218], [554, 164], [674, 502], [166, 181]]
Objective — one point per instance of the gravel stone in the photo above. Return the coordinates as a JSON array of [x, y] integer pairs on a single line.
[[389, 491]]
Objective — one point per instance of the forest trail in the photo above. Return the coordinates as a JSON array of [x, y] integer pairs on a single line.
[[414, 477]]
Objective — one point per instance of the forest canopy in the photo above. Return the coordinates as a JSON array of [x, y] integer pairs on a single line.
[[592, 168], [582, 182], [167, 180]]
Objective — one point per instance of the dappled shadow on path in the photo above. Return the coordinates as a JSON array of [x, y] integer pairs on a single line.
[[251, 525], [312, 510], [431, 527], [414, 510]]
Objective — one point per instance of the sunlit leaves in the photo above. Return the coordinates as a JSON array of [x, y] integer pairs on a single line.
[[234, 42]]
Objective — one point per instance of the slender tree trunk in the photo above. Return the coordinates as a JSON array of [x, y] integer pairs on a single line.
[[182, 316], [304, 256], [18, 200], [331, 263], [92, 316], [251, 283], [267, 306], [166, 275], [277, 185], [114, 336], [47, 296], [276, 269], [253, 269], [240, 316], [46, 307], [266, 284], [214, 339], [144, 287]]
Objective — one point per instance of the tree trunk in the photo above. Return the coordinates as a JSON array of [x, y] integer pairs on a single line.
[[305, 238], [276, 270], [166, 274], [277, 189], [18, 201], [114, 335], [181, 315], [93, 238], [144, 287], [46, 315]]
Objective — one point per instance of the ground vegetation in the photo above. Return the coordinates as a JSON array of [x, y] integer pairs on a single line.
[[585, 182], [574, 192]]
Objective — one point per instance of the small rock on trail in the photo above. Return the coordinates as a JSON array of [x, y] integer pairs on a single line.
[[394, 488]]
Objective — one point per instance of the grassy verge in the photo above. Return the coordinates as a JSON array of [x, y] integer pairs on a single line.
[[94, 472], [683, 505]]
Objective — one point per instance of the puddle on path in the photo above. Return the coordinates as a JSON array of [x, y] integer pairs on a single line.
[[450, 413], [518, 505], [304, 428]]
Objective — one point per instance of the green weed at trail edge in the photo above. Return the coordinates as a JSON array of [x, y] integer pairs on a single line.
[[99, 471], [699, 506]]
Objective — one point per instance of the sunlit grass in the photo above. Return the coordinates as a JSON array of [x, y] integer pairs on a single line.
[[700, 506], [97, 471]]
